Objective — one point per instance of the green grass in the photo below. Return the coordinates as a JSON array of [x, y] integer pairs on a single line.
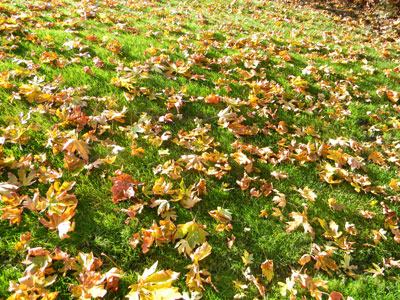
[[242, 33]]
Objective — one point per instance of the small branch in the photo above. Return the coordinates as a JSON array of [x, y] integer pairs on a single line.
[[113, 262]]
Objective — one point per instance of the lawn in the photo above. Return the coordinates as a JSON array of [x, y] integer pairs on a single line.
[[188, 149]]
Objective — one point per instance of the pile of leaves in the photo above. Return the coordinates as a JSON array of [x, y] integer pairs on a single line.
[[180, 150]]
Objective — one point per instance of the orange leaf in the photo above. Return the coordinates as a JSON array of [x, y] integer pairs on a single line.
[[335, 296], [74, 144], [213, 99], [393, 95], [125, 187]]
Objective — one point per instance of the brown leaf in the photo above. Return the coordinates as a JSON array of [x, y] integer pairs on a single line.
[[335, 296], [306, 258], [124, 188], [80, 146], [393, 95]]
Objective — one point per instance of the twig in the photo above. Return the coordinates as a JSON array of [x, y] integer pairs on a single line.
[[113, 262]]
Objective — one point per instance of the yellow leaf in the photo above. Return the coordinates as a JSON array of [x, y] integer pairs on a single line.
[[30, 91], [155, 285], [306, 258], [74, 144], [247, 258], [267, 268], [192, 232], [202, 252], [394, 184]]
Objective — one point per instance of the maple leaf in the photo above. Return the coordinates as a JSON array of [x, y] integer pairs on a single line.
[[48, 57], [367, 214], [32, 286], [36, 203], [263, 213], [152, 285], [200, 187], [345, 263], [7, 189], [279, 199], [12, 213], [390, 262], [306, 193], [298, 220], [335, 206], [112, 279], [23, 179], [98, 62], [306, 258], [221, 215], [328, 172], [377, 158], [24, 242], [159, 234], [335, 296], [376, 271], [192, 233], [394, 184], [267, 188], [250, 277], [170, 168], [279, 175], [354, 163], [162, 187], [277, 213], [124, 188], [194, 279], [201, 252], [267, 268], [231, 241], [91, 285], [350, 228], [4, 83], [396, 233], [30, 91], [241, 158], [311, 285], [247, 258], [132, 211], [213, 99], [288, 286], [193, 162], [323, 260], [73, 163], [80, 146], [393, 95], [186, 196], [135, 240], [222, 227], [61, 222], [337, 156], [379, 235], [332, 231], [85, 262], [244, 183], [57, 198]]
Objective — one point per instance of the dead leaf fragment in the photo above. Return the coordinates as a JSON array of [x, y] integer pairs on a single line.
[[267, 268]]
